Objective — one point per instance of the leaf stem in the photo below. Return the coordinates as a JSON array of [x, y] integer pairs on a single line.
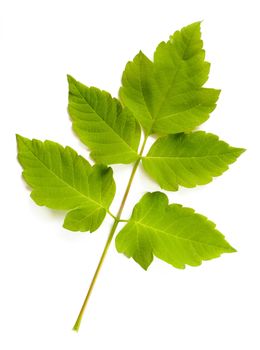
[[112, 215], [110, 237], [81, 313]]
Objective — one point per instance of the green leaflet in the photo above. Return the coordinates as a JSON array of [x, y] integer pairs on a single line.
[[166, 95], [111, 133], [188, 159], [61, 179], [172, 233]]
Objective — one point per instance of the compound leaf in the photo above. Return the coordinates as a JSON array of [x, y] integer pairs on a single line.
[[172, 233], [166, 95], [188, 159], [110, 132], [61, 179]]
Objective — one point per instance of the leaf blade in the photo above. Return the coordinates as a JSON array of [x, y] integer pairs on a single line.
[[188, 159], [166, 95], [174, 234], [110, 132], [61, 179]]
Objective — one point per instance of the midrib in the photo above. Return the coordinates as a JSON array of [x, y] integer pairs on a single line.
[[188, 157], [178, 237]]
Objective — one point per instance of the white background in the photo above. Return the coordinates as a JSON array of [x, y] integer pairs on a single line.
[[45, 270]]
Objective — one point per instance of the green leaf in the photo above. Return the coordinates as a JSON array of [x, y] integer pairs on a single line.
[[111, 133], [172, 233], [166, 95], [61, 179], [188, 159]]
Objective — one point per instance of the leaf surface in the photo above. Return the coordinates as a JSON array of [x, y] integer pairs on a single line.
[[172, 233], [61, 179], [110, 132], [188, 159], [166, 95]]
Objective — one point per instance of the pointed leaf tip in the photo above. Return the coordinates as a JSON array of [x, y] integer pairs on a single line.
[[70, 79]]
